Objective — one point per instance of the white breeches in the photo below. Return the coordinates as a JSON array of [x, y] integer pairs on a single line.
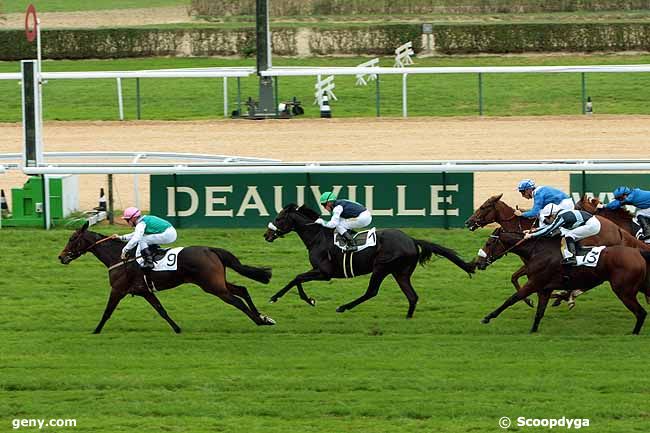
[[566, 204], [644, 212], [590, 228], [166, 237], [361, 221]]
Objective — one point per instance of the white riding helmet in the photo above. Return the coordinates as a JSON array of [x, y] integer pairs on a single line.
[[549, 210]]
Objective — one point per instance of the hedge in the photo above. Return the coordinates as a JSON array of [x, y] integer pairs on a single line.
[[370, 40], [218, 9]]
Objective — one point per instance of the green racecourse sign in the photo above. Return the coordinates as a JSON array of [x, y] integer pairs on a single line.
[[602, 186], [239, 200]]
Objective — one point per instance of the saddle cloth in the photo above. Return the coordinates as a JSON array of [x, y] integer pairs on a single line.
[[164, 259], [363, 240], [587, 256]]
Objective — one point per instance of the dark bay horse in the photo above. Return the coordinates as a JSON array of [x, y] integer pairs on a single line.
[[203, 266], [624, 267], [395, 254]]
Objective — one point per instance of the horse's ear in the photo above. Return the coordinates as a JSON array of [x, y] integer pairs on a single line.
[[496, 198], [84, 227]]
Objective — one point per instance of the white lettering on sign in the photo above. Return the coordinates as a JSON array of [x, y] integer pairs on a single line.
[[369, 190], [211, 200], [171, 201], [401, 204], [436, 199], [252, 200]]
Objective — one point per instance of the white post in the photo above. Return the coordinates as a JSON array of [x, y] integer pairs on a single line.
[[120, 102], [39, 104], [136, 193], [404, 110], [225, 97]]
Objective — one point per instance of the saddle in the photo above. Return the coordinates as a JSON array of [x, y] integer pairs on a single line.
[[157, 253], [362, 240]]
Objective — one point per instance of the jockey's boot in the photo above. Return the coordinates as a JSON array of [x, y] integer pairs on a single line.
[[349, 241], [571, 246], [644, 222], [147, 257]]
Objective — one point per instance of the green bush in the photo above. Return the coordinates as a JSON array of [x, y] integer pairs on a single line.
[[218, 9]]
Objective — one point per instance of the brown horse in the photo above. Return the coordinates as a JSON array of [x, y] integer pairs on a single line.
[[203, 266], [624, 267], [621, 216], [496, 211]]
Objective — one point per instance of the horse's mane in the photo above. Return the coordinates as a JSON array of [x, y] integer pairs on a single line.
[[621, 213], [303, 210]]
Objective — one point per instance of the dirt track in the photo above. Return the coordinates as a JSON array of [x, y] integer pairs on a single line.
[[352, 139]]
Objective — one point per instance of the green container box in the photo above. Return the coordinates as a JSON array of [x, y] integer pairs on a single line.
[[27, 202]]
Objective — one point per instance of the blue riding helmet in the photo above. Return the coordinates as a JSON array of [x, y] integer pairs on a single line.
[[620, 191], [526, 184]]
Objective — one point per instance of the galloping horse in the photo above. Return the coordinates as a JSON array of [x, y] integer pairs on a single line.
[[203, 266], [395, 253], [496, 211], [624, 267], [621, 216]]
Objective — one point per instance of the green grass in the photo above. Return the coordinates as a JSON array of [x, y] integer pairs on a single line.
[[14, 6], [367, 370], [429, 95]]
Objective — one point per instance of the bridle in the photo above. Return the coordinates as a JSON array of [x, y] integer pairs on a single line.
[[275, 231], [76, 254], [489, 259]]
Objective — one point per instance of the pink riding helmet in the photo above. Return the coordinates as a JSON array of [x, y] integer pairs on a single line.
[[131, 212]]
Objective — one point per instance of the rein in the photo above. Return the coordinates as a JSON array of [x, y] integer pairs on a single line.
[[85, 250]]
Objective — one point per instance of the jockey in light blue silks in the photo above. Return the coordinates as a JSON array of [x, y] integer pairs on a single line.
[[542, 196], [346, 215], [637, 198], [148, 230], [573, 224]]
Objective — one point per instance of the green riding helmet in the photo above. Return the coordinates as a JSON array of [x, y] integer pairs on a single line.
[[327, 197]]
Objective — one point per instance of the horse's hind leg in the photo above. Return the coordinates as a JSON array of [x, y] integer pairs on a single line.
[[514, 279], [114, 298], [155, 303], [376, 279], [242, 292], [238, 303], [633, 305], [403, 279]]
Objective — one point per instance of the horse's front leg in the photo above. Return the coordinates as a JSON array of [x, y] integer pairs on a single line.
[[514, 279], [376, 279], [304, 296], [113, 299], [542, 300], [525, 291], [155, 303], [313, 275]]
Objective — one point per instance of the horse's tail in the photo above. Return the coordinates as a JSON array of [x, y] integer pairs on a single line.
[[262, 275], [428, 249]]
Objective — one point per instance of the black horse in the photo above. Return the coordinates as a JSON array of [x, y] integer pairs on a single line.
[[395, 253], [203, 266]]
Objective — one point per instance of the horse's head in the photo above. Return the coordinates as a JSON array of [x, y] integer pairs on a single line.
[[78, 244], [588, 204], [290, 218], [497, 245], [487, 213]]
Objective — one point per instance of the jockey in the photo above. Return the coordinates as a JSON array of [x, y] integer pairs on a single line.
[[573, 224], [637, 198], [542, 196], [149, 230], [346, 215]]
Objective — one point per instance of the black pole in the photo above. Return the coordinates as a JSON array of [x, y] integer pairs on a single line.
[[111, 219], [444, 201]]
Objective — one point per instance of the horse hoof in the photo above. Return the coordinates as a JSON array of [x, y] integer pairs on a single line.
[[340, 310], [571, 305], [177, 330], [312, 302], [273, 300], [485, 320], [267, 320]]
